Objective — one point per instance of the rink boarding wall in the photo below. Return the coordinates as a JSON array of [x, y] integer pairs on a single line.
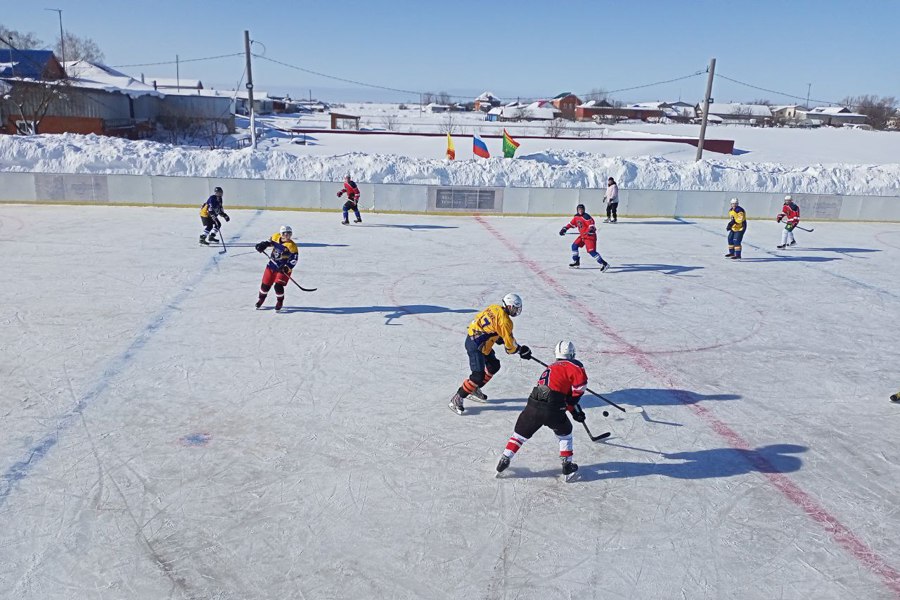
[[165, 191]]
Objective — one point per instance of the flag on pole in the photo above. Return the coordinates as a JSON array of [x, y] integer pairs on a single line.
[[509, 145], [451, 151], [479, 148]]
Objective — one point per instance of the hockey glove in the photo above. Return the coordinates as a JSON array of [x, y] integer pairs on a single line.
[[340, 193], [779, 218], [525, 352], [728, 227], [261, 247], [563, 231], [286, 270], [592, 230], [577, 413], [226, 217]]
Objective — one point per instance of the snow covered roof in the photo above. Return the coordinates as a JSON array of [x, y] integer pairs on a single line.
[[169, 82], [27, 64], [486, 97], [87, 75], [245, 95], [497, 110], [834, 110]]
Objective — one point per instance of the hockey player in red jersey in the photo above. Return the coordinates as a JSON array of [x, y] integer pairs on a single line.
[[790, 216], [558, 391], [352, 203], [587, 237]]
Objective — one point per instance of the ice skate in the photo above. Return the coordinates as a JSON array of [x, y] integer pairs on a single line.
[[359, 220], [606, 220], [614, 221], [212, 238], [456, 404], [345, 222], [501, 466], [203, 240], [735, 257], [780, 246], [729, 255], [279, 304], [895, 397], [575, 263], [569, 469], [793, 243], [259, 303], [604, 266], [479, 395]]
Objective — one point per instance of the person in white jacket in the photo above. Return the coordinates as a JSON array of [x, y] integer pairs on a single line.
[[612, 201]]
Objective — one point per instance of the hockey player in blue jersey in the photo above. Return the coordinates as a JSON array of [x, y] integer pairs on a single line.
[[210, 212]]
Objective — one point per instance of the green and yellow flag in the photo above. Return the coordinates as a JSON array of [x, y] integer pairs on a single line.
[[509, 145]]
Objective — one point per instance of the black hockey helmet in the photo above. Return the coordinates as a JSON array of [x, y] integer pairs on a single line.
[[580, 207], [218, 191]]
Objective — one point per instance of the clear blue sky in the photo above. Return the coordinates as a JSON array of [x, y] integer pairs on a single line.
[[523, 48]]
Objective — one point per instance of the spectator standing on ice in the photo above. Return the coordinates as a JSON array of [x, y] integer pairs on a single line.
[[612, 201]]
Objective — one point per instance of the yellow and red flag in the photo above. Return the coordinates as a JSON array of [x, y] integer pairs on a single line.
[[451, 151]]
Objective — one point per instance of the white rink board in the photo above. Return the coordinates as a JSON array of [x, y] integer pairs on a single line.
[[180, 191]]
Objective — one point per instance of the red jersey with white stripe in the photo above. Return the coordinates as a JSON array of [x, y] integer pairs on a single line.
[[565, 376], [585, 225], [790, 212]]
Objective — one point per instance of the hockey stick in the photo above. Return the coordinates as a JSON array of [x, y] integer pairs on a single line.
[[289, 277], [804, 228], [634, 409], [219, 229]]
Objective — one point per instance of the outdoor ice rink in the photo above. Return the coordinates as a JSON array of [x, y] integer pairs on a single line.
[[160, 438]]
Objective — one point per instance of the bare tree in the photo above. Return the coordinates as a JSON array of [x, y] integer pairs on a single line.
[[80, 48], [761, 101], [31, 101], [879, 111], [390, 122], [555, 128], [449, 124], [442, 98], [427, 97], [596, 94], [19, 40]]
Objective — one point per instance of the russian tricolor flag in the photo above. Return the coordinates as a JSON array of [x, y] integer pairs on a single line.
[[479, 148]]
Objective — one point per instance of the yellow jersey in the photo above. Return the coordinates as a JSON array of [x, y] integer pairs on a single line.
[[738, 219], [284, 253], [489, 326]]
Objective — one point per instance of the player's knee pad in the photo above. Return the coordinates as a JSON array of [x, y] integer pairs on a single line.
[[264, 288], [279, 289], [492, 366], [477, 378]]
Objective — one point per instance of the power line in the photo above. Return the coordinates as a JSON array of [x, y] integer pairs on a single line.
[[655, 83], [183, 60], [756, 87], [353, 81]]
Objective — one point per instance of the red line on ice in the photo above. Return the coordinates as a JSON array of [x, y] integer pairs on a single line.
[[790, 490]]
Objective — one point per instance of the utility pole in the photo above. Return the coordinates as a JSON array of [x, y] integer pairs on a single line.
[[62, 37], [250, 89], [709, 84], [808, 87], [177, 74]]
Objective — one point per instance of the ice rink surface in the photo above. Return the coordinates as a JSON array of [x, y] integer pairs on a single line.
[[163, 439]]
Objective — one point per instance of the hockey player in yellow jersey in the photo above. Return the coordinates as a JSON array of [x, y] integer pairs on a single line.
[[492, 325], [736, 228]]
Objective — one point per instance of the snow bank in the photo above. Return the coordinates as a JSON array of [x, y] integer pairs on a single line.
[[557, 168]]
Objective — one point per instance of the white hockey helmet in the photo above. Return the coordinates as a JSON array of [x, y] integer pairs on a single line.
[[565, 350], [286, 229], [734, 201], [513, 304], [788, 198]]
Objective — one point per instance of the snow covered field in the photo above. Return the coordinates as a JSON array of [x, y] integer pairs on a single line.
[[821, 161], [162, 439]]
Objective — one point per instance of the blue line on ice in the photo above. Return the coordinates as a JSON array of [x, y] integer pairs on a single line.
[[39, 451]]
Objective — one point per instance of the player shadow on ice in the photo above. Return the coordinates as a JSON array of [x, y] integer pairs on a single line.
[[393, 312], [652, 397], [783, 258], [664, 269], [653, 222], [474, 407], [701, 464], [411, 227], [838, 250]]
